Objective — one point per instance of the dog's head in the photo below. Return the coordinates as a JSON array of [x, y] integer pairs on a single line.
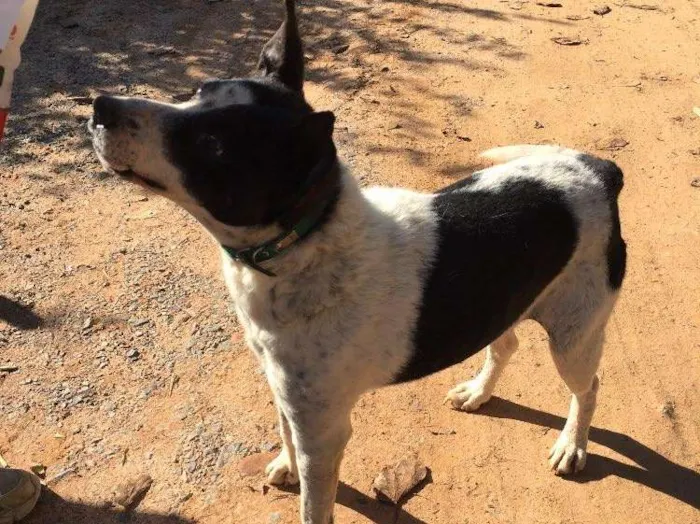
[[239, 151]]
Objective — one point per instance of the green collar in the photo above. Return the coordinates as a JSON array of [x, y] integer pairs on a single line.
[[305, 216]]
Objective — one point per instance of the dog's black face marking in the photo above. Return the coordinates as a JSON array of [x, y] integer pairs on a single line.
[[611, 176], [246, 163], [497, 250], [243, 149]]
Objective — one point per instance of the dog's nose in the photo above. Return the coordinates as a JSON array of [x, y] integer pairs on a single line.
[[105, 111]]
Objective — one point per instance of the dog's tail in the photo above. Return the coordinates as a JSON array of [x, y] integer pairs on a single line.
[[500, 155]]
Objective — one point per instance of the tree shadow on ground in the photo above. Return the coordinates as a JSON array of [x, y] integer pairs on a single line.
[[52, 509], [166, 48], [18, 315]]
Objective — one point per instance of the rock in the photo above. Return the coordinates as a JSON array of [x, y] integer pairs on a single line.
[[565, 40], [539, 125], [60, 476], [695, 182], [164, 50], [668, 409], [275, 518], [129, 495], [270, 446], [549, 4], [443, 431], [133, 355], [88, 323], [340, 49], [602, 10]]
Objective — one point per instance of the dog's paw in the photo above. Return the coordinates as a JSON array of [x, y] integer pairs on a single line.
[[567, 457], [468, 396], [280, 472]]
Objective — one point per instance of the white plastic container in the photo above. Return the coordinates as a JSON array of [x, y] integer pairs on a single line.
[[15, 20]]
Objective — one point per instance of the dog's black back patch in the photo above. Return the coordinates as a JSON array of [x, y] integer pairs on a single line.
[[497, 250]]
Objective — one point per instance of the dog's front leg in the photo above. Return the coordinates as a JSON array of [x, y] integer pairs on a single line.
[[320, 442], [283, 470]]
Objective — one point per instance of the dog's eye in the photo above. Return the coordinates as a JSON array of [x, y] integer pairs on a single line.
[[210, 144]]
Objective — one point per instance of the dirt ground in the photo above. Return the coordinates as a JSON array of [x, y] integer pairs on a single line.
[[130, 358]]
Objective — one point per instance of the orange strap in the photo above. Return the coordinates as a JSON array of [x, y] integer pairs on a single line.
[[3, 119]]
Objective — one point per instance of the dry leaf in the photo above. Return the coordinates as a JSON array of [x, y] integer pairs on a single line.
[[611, 144], [255, 464], [395, 481], [565, 40], [129, 495]]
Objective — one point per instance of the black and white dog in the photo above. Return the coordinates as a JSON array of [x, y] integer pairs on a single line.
[[342, 290]]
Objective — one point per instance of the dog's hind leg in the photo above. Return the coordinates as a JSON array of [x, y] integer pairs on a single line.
[[575, 318], [470, 395], [577, 365], [283, 469]]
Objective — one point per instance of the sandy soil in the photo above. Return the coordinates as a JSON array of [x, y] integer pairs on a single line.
[[131, 361]]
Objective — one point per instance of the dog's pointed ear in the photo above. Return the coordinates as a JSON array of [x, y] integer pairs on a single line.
[[283, 56], [317, 128]]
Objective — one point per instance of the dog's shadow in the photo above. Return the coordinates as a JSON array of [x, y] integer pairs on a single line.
[[652, 470], [53, 509], [372, 509]]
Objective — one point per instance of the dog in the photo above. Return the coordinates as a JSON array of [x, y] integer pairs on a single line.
[[341, 290]]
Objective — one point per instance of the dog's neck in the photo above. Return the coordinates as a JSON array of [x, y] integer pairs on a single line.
[[345, 211], [308, 211]]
